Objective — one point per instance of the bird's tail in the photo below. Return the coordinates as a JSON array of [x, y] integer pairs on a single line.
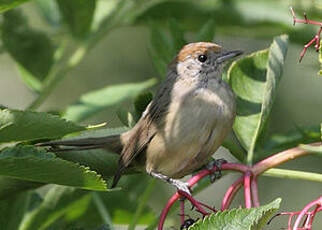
[[111, 143]]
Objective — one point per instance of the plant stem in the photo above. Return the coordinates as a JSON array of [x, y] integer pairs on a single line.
[[293, 174], [182, 211], [254, 189], [280, 158], [77, 56], [166, 209], [317, 202], [102, 210], [248, 197], [142, 204], [230, 193], [57, 76], [249, 178]]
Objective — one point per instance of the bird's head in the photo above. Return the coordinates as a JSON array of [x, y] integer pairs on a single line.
[[203, 60]]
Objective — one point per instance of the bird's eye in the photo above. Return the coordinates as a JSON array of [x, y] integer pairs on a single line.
[[202, 58]]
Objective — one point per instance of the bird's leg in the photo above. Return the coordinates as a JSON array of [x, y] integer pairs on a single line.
[[210, 166], [177, 183]]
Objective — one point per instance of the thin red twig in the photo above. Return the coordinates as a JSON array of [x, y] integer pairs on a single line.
[[182, 211], [207, 206], [305, 210], [249, 178], [316, 210], [166, 209], [254, 189], [194, 202], [304, 213], [248, 196], [316, 38], [230, 194]]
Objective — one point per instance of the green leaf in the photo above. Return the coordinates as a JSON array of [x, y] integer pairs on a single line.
[[177, 36], [18, 125], [118, 207], [238, 219], [98, 100], [254, 79], [32, 164], [31, 81], [31, 49], [10, 186], [12, 211], [207, 32], [103, 227], [122, 114], [122, 205], [313, 149], [101, 208], [231, 143], [279, 142], [50, 11], [143, 199], [9, 4], [78, 15], [59, 201], [142, 101], [161, 56]]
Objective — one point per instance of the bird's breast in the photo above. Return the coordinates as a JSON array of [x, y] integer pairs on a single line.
[[193, 129]]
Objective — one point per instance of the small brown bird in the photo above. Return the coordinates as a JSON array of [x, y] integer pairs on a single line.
[[186, 122]]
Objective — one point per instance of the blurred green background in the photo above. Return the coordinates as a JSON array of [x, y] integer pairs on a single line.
[[123, 56]]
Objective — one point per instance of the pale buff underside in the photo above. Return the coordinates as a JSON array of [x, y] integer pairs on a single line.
[[192, 135]]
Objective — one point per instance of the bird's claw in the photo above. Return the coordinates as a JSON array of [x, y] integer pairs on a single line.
[[216, 175], [182, 186]]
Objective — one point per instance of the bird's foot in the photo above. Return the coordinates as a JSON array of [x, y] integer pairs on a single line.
[[217, 174], [180, 185]]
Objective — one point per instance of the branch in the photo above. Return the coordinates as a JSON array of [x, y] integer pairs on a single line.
[[310, 216], [316, 38], [249, 178]]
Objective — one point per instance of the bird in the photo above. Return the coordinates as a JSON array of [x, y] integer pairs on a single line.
[[186, 122]]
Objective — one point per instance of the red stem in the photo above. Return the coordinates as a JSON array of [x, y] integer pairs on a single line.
[[316, 38], [207, 206], [305, 210], [166, 209], [313, 214], [254, 189], [250, 181], [290, 221], [317, 45], [230, 194], [248, 196], [306, 21], [280, 158], [193, 202], [307, 46], [182, 211]]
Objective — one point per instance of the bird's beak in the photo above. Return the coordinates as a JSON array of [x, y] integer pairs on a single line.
[[226, 55]]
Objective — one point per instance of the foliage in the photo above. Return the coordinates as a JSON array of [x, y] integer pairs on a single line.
[[239, 219], [45, 56], [18, 125], [26, 163], [254, 79], [93, 102]]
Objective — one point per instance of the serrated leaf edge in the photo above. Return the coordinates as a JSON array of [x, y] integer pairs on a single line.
[[273, 205], [85, 169]]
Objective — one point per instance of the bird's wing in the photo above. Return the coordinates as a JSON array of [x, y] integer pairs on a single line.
[[142, 133]]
